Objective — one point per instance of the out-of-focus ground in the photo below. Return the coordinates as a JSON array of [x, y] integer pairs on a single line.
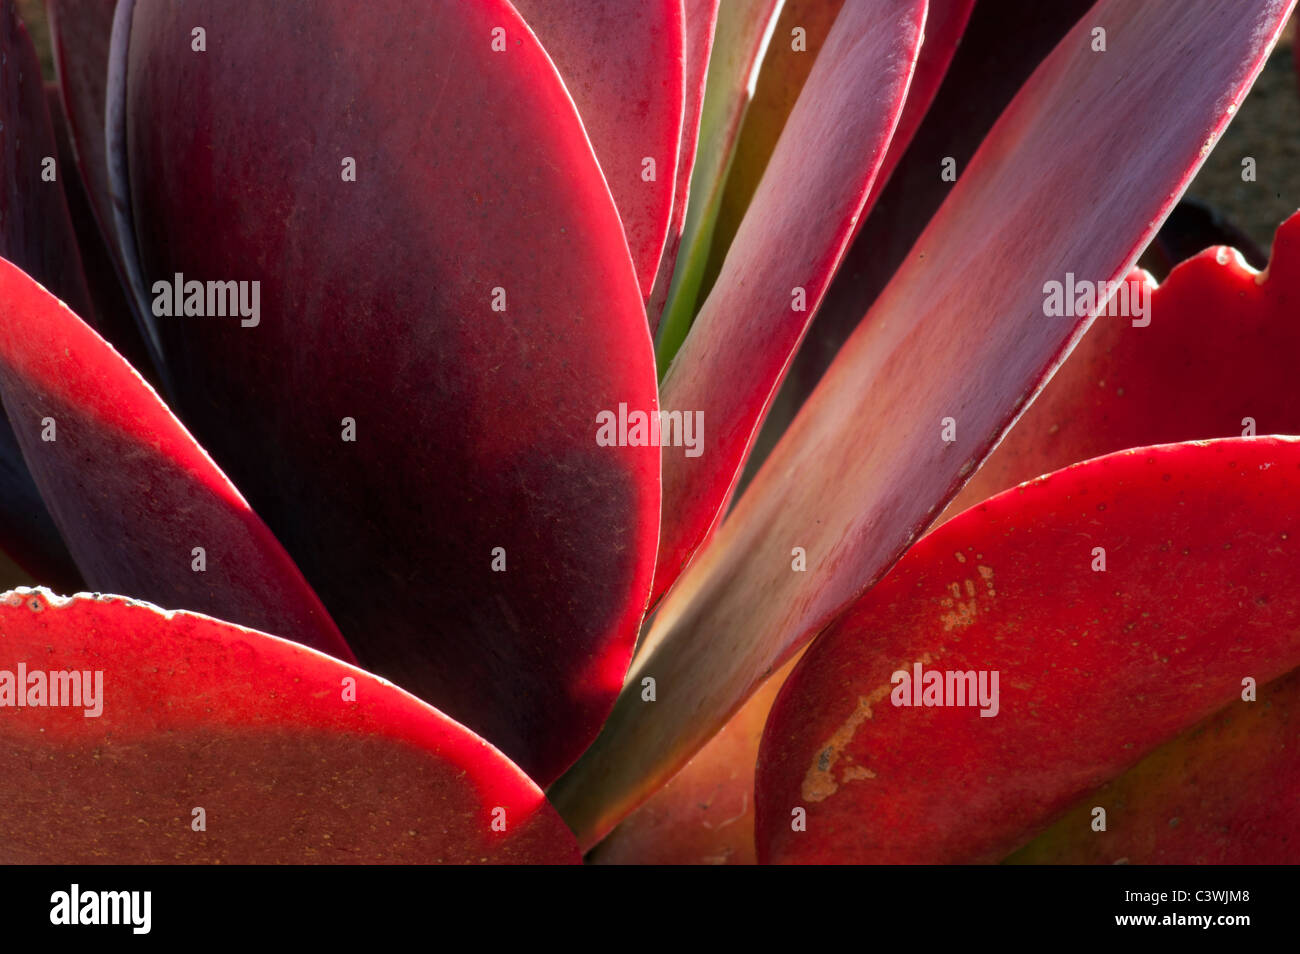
[[1267, 129]]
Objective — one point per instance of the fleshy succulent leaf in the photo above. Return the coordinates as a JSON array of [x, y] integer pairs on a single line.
[[739, 39], [801, 29], [80, 30], [705, 813], [1123, 385], [1095, 667], [131, 492], [291, 756], [497, 560], [1221, 793], [959, 333], [1002, 44], [114, 319], [781, 262], [36, 234], [701, 20], [945, 25], [623, 63]]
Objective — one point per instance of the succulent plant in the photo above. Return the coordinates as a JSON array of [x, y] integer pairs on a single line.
[[456, 431]]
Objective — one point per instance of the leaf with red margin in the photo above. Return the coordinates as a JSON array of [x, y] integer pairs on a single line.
[[129, 489], [80, 31], [293, 756], [1192, 227], [1215, 321], [1224, 792], [946, 23], [705, 813], [1095, 669], [1002, 44], [36, 234], [35, 231], [701, 19], [781, 76], [476, 429], [739, 38], [784, 72], [789, 244], [864, 468], [114, 318], [623, 63]]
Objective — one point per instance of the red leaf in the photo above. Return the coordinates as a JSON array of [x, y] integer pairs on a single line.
[[80, 31], [784, 255], [292, 756], [130, 490], [740, 35], [1223, 792], [35, 230], [622, 61], [36, 234], [946, 22], [701, 18], [1000, 47], [114, 318], [960, 332], [1126, 384], [475, 428], [800, 32], [1095, 669]]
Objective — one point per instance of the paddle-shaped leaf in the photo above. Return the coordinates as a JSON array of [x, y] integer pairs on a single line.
[[1032, 649], [800, 32], [623, 62], [141, 506], [783, 258], [1215, 321], [960, 334], [147, 737], [414, 410]]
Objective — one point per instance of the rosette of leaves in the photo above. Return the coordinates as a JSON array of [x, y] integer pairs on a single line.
[[378, 593]]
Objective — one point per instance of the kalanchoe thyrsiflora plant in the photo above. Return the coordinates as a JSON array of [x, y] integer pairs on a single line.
[[409, 358]]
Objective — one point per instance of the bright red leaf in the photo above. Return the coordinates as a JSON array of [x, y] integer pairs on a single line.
[[1097, 663], [467, 305], [623, 64], [960, 334], [132, 493], [291, 756]]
